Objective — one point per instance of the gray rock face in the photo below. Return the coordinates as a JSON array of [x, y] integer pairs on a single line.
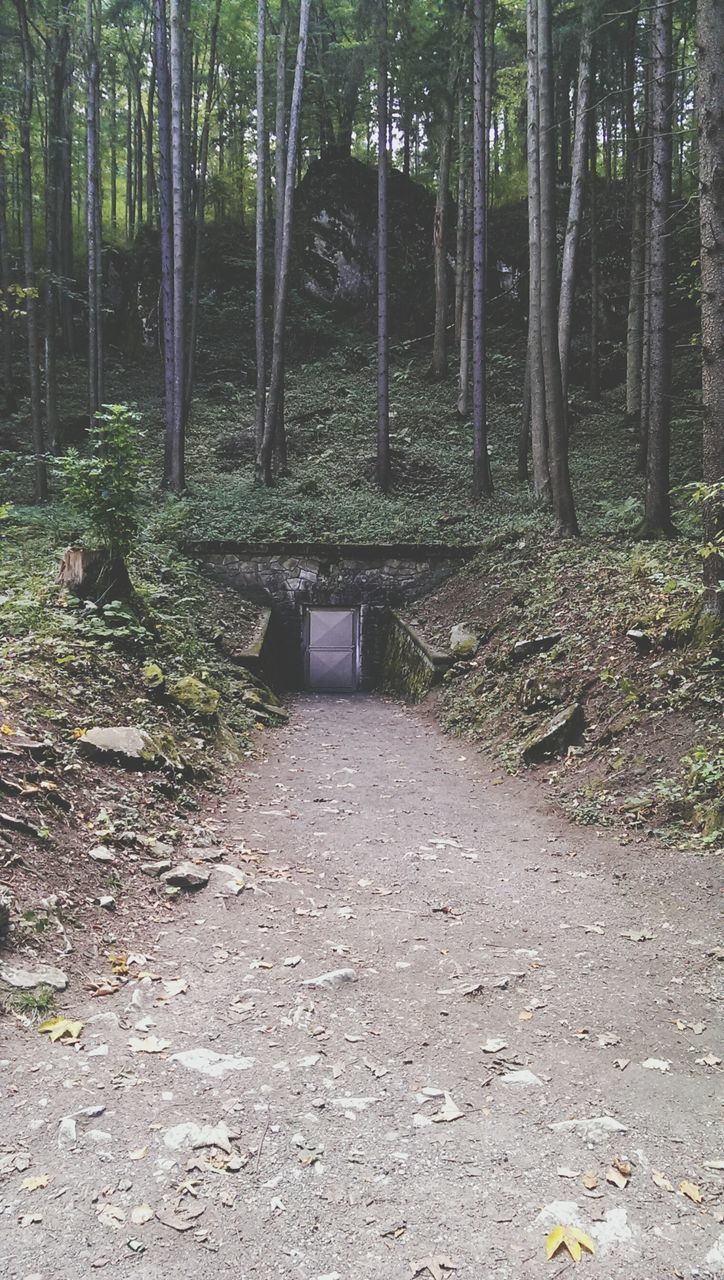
[[124, 745], [463, 641], [552, 737], [42, 975], [536, 644], [186, 876]]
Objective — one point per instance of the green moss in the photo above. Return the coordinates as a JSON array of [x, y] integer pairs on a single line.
[[194, 696]]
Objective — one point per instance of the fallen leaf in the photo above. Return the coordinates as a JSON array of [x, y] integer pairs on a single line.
[[691, 1191], [138, 1153], [150, 1045], [141, 1213], [590, 1181], [618, 1174], [567, 1173], [34, 1184], [110, 1215], [180, 1219], [525, 1015], [570, 1238], [709, 1060], [62, 1029], [436, 1265], [659, 1180]]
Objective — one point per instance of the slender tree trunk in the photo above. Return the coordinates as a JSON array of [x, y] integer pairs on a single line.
[[165, 202], [5, 303], [575, 204], [383, 351], [634, 324], [657, 518], [565, 512], [439, 345], [524, 429], [93, 220], [200, 210], [461, 212], [538, 429], [594, 371], [26, 200], [280, 163], [465, 316], [113, 142], [264, 461], [710, 63], [482, 479], [130, 167], [261, 155], [177, 477]]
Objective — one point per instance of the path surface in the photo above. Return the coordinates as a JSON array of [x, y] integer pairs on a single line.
[[468, 914]]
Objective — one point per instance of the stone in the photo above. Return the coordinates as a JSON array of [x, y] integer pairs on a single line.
[[5, 902], [101, 853], [156, 868], [554, 735], [520, 1078], [209, 1063], [642, 643], [523, 649], [186, 876], [592, 1129], [42, 975], [192, 695], [153, 676], [206, 853], [126, 746], [539, 695], [463, 641]]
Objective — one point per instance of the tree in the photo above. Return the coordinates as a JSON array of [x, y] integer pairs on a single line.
[[260, 405], [710, 62], [165, 197], [575, 204], [93, 211], [383, 343], [176, 478], [482, 478], [439, 345], [534, 413]]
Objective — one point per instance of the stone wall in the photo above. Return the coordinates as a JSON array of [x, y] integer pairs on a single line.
[[410, 665], [289, 576]]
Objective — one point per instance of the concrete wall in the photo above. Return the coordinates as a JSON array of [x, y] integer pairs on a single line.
[[410, 666], [288, 576]]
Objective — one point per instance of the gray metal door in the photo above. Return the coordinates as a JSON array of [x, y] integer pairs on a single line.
[[332, 649]]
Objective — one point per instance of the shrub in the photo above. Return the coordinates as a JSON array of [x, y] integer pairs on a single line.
[[102, 484]]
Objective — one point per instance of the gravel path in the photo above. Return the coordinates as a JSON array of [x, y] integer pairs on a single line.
[[512, 977]]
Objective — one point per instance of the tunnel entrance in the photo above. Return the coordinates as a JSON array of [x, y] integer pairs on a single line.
[[331, 605], [331, 639]]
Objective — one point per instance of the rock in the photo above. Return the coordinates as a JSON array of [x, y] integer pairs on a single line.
[[209, 1063], [5, 902], [122, 745], [67, 1132], [463, 641], [186, 876], [539, 695], [554, 735], [523, 649], [332, 979], [189, 1135], [156, 868], [643, 643], [205, 853], [43, 975], [520, 1078], [107, 901], [194, 696], [593, 1129], [157, 848], [101, 853], [153, 676]]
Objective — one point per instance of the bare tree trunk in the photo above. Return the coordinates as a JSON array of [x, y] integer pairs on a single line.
[[176, 478], [57, 58], [462, 202], [482, 479], [710, 63], [439, 345], [565, 512], [383, 345], [264, 458], [114, 147], [93, 215], [465, 316], [200, 210], [31, 306], [524, 428], [538, 429], [634, 324], [7, 349], [657, 518], [280, 164], [260, 227], [594, 368], [575, 204], [165, 202]]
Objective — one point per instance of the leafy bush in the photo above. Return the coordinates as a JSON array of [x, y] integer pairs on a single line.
[[102, 484]]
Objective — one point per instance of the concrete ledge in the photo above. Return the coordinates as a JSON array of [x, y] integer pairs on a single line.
[[411, 666], [334, 550]]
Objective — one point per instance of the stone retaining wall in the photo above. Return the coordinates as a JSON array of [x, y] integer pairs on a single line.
[[411, 666]]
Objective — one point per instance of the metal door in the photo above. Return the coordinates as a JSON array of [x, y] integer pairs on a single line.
[[332, 649]]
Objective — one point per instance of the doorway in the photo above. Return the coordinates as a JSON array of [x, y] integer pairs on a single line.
[[331, 650]]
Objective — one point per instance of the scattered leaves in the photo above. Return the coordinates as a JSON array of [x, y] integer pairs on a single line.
[[34, 1183], [436, 1266], [570, 1238], [691, 1191], [659, 1180], [62, 1029], [151, 1044]]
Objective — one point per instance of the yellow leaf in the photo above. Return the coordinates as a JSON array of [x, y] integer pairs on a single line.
[[570, 1238], [34, 1184], [660, 1180], [5, 728], [691, 1190], [151, 1044], [525, 1016], [78, 733], [590, 1181], [62, 1029]]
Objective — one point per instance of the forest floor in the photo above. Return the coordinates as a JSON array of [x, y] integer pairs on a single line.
[[527, 1038]]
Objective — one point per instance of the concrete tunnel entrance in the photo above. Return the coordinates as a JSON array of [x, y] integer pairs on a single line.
[[331, 605]]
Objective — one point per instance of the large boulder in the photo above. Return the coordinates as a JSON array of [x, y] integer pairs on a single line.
[[463, 641], [122, 745], [554, 735], [27, 978], [194, 696], [186, 876]]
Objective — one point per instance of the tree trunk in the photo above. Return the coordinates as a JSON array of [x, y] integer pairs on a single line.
[[482, 479], [114, 148], [165, 201], [575, 204], [176, 478], [383, 346], [657, 518], [95, 322], [260, 406], [634, 324], [594, 367], [280, 164], [264, 458], [200, 209], [538, 430], [439, 345], [465, 309], [710, 63], [565, 512], [460, 229], [26, 199]]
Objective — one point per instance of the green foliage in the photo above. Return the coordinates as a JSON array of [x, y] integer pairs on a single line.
[[34, 1005], [114, 621], [705, 772], [102, 485]]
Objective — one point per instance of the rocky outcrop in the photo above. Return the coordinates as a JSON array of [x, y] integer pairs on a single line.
[[186, 876], [24, 978], [463, 641], [121, 745], [532, 645], [554, 735], [192, 695]]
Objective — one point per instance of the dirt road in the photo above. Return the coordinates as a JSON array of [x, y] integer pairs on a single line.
[[527, 1003]]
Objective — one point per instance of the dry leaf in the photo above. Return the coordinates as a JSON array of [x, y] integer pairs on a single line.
[[619, 1173], [570, 1238], [691, 1190], [180, 1219], [436, 1266], [709, 1060], [150, 1045], [567, 1173], [138, 1153], [34, 1184], [111, 1216], [525, 1016], [661, 1181], [141, 1213], [62, 1029], [590, 1181]]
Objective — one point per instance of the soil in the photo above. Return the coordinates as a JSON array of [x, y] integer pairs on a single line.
[[469, 912]]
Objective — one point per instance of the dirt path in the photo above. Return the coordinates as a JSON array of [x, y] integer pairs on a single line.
[[468, 915]]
